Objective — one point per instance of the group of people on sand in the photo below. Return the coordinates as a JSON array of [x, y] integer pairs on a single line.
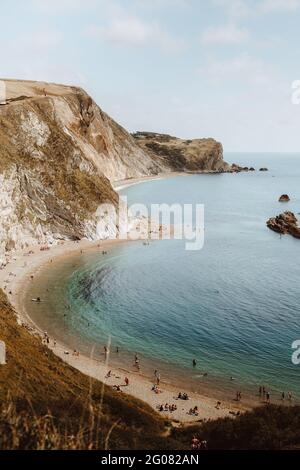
[[266, 396], [183, 396], [156, 389], [197, 444], [289, 396], [118, 387], [194, 411], [137, 362], [168, 408], [46, 338]]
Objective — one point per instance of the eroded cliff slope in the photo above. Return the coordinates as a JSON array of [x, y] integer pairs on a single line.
[[59, 153]]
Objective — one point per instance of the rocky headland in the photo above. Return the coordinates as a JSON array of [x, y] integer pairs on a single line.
[[59, 155]]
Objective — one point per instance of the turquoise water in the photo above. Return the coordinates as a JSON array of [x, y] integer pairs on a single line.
[[233, 306]]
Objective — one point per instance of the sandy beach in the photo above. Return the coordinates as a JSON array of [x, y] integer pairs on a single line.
[[15, 279], [120, 185], [20, 274]]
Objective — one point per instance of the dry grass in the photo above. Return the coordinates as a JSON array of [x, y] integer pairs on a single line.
[[47, 404], [183, 155]]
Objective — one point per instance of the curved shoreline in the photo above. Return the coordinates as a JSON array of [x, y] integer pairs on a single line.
[[16, 276], [140, 385]]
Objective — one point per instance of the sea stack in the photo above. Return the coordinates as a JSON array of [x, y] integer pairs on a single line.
[[284, 198], [285, 224]]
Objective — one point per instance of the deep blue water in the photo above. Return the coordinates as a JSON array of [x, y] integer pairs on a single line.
[[233, 306]]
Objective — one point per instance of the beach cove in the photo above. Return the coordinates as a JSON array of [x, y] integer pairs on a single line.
[[19, 276], [205, 392]]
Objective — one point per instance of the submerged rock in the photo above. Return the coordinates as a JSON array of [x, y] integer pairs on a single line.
[[286, 223]]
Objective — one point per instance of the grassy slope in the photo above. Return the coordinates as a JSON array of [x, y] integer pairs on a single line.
[[38, 382], [45, 403], [265, 428]]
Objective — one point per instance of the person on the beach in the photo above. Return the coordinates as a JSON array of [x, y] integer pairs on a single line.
[[195, 443], [158, 379], [126, 381], [194, 362], [137, 362], [282, 396], [117, 350], [268, 397], [290, 397]]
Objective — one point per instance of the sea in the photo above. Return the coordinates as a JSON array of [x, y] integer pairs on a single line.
[[233, 306]]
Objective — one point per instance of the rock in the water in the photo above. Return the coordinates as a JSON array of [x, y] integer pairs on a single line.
[[238, 169], [284, 198], [263, 169], [285, 224]]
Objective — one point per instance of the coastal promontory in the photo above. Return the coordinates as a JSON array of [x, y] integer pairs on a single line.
[[59, 155]]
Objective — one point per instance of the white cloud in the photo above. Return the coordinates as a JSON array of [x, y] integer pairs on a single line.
[[235, 9], [131, 30], [238, 9], [270, 6], [62, 5], [120, 30], [229, 34], [37, 41], [240, 69]]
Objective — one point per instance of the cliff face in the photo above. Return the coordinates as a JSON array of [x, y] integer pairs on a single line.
[[176, 154], [58, 154]]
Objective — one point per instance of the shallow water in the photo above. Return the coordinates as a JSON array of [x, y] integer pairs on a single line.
[[233, 306]]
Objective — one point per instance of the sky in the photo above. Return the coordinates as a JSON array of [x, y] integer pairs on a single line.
[[190, 68]]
